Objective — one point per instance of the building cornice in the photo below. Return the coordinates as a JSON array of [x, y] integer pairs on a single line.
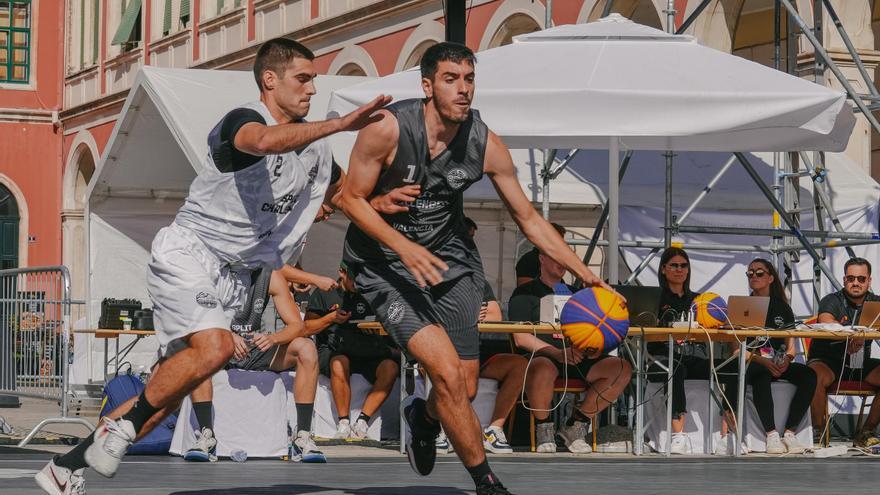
[[99, 104], [354, 18], [27, 116]]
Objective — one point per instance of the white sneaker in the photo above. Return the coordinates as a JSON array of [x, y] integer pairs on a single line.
[[545, 438], [792, 446], [774, 444], [495, 441], [204, 450], [681, 444], [343, 430], [57, 480], [723, 445], [574, 437], [441, 443], [305, 450], [359, 430], [112, 440]]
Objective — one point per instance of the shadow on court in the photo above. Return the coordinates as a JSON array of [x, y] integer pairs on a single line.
[[308, 489]]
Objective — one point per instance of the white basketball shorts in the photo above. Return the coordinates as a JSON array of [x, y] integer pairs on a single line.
[[190, 288]]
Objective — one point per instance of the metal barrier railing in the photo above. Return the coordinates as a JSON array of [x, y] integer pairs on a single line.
[[35, 338]]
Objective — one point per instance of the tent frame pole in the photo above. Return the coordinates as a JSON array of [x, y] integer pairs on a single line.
[[694, 229], [613, 252]]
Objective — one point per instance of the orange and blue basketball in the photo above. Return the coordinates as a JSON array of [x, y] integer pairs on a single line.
[[595, 320], [709, 310]]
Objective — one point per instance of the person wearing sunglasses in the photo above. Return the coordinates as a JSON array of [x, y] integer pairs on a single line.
[[775, 361], [832, 359], [691, 361]]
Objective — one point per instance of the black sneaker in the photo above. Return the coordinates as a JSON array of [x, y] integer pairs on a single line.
[[420, 443], [490, 485]]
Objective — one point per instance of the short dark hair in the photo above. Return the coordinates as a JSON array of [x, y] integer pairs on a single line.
[[858, 262], [559, 228], [446, 51], [275, 54]]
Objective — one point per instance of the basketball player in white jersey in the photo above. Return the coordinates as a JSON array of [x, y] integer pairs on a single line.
[[266, 175]]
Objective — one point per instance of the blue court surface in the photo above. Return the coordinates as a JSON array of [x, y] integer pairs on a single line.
[[390, 474]]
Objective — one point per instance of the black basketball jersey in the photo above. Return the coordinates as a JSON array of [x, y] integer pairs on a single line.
[[248, 318], [435, 219]]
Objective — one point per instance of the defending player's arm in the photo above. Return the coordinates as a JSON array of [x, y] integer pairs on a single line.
[[261, 139], [372, 151], [499, 167], [287, 309]]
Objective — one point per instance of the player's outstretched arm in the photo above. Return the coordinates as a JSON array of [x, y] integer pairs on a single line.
[[499, 167], [373, 149], [260, 140]]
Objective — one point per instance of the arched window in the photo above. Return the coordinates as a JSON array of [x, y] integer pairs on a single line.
[[416, 56], [351, 69], [83, 176], [9, 220], [515, 25]]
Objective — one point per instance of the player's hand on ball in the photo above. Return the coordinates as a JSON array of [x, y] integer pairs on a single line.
[[366, 114], [263, 341], [422, 264], [394, 201], [240, 347]]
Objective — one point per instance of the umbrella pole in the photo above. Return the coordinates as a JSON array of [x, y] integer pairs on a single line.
[[613, 210]]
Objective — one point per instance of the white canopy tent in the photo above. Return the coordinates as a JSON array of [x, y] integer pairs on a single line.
[[613, 83]]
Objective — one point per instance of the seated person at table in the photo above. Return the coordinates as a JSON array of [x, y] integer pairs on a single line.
[[256, 350], [528, 266], [606, 376], [691, 359], [344, 349], [775, 361], [832, 360]]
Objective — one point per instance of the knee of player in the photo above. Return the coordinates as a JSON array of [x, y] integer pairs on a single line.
[[215, 346], [339, 366], [448, 379], [387, 368], [542, 368], [307, 354]]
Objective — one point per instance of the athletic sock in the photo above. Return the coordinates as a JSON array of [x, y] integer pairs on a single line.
[[204, 414], [578, 415], [365, 417], [304, 416], [342, 417], [75, 459], [481, 472], [140, 413], [548, 419]]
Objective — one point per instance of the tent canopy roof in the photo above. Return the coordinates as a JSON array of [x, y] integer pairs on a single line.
[[576, 86], [160, 141]]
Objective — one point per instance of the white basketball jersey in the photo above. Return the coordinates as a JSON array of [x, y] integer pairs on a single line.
[[260, 215]]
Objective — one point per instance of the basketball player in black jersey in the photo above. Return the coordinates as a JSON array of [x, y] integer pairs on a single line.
[[419, 269]]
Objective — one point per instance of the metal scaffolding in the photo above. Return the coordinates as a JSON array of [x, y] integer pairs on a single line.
[[787, 240]]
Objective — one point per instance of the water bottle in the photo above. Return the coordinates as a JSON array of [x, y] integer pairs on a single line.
[[238, 455]]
